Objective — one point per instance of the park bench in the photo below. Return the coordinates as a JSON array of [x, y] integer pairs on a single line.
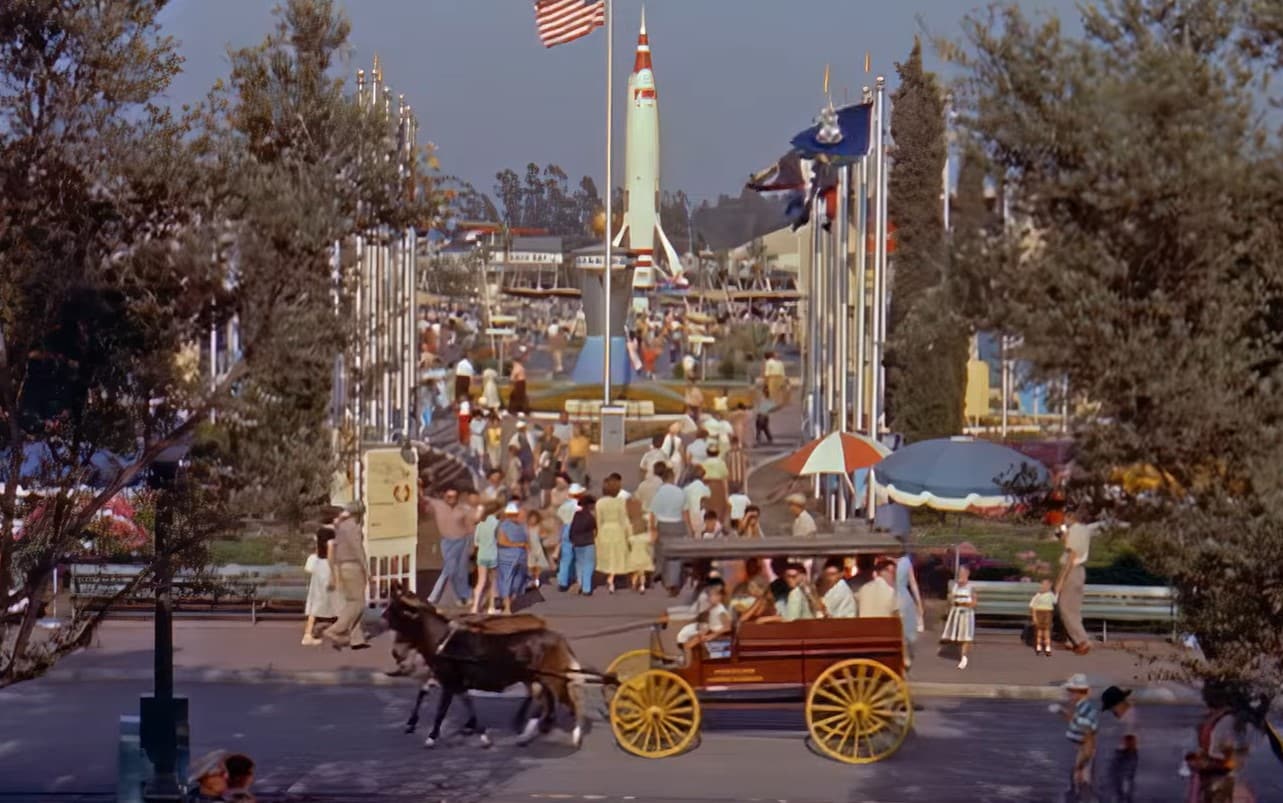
[[230, 589], [1135, 605]]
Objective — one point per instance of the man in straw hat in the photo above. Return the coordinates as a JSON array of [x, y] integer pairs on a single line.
[[349, 576], [566, 558], [1083, 716], [803, 522]]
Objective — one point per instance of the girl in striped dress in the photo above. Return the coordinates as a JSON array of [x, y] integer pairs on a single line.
[[960, 627]]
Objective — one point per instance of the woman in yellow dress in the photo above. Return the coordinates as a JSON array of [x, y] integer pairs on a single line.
[[613, 530], [641, 559]]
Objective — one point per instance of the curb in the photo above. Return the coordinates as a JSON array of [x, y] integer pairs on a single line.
[[1147, 695]]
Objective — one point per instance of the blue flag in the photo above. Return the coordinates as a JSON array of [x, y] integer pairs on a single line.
[[838, 134]]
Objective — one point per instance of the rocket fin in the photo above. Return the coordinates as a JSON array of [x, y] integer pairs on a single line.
[[674, 261], [619, 238]]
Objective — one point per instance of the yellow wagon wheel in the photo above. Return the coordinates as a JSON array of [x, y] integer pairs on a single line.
[[655, 714], [858, 711], [625, 667]]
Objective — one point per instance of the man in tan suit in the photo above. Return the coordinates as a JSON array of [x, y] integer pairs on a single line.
[[876, 598]]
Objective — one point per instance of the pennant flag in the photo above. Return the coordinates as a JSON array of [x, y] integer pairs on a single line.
[[562, 21], [838, 134], [781, 179]]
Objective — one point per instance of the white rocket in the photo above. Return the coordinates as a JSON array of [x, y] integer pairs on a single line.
[[641, 165]]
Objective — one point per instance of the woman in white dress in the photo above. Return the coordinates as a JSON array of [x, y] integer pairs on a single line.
[[490, 389], [960, 627], [321, 601], [613, 530]]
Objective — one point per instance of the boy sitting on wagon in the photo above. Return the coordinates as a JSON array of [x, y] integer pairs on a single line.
[[711, 624]]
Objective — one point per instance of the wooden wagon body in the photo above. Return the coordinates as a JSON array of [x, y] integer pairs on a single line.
[[848, 673]]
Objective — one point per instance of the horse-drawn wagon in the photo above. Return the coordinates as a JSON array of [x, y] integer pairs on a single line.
[[848, 674]]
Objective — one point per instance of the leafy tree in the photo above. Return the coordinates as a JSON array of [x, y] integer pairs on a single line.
[[926, 354], [126, 233], [508, 190], [1145, 262]]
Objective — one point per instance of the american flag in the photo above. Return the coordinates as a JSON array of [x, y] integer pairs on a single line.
[[562, 21]]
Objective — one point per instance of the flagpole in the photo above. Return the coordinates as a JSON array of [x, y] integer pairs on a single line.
[[610, 192], [878, 315]]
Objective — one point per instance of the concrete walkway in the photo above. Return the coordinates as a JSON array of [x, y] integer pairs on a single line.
[[599, 627]]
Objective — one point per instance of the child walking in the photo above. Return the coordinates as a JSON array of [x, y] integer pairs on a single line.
[[1043, 606], [960, 627]]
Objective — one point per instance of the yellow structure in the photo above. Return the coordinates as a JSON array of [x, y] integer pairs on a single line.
[[977, 398]]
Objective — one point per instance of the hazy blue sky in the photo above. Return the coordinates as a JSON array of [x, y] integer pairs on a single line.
[[736, 78]]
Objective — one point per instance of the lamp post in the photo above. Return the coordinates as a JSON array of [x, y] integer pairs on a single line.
[[163, 714]]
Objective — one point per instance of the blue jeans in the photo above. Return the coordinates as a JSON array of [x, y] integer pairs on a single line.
[[585, 565], [454, 570], [566, 563]]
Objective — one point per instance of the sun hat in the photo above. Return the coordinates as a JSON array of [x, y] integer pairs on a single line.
[[1077, 682], [576, 489], [521, 424], [1113, 696], [796, 499], [207, 765], [513, 509]]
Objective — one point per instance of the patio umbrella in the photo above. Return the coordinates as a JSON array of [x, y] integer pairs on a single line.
[[836, 453], [958, 474]]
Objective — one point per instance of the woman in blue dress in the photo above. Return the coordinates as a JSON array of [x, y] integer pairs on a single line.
[[909, 600], [514, 544]]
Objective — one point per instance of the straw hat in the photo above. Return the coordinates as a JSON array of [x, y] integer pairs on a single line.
[[796, 499], [1077, 682], [513, 509], [206, 765]]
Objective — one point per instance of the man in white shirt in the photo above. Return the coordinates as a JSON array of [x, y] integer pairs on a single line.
[[696, 492], [463, 373], [697, 452], [739, 503], [566, 514], [653, 456], [668, 521], [803, 522], [877, 597], [1076, 538], [838, 600]]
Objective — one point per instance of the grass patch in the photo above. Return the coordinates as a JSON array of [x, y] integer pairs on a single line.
[[261, 550], [1113, 558]]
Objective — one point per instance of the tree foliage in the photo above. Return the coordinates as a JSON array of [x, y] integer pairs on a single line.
[[127, 233], [926, 353], [1145, 262]]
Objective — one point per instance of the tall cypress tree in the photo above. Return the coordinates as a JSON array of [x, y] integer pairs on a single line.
[[926, 368]]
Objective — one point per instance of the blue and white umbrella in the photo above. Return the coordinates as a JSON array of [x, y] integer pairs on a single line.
[[956, 474]]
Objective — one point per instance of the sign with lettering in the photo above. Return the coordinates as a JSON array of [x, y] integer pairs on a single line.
[[391, 495]]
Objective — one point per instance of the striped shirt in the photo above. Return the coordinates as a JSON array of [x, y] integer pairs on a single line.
[[1086, 720]]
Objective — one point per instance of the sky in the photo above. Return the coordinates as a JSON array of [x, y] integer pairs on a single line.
[[735, 78]]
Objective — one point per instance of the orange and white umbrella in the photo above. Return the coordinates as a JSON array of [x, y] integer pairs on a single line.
[[837, 453]]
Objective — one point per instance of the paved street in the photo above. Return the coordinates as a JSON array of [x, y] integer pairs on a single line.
[[345, 743]]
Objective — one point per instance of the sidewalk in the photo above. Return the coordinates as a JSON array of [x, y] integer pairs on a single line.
[[600, 628]]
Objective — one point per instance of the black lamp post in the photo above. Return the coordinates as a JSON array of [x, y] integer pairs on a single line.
[[162, 713]]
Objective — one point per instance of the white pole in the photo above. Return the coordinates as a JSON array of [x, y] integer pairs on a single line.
[[610, 191], [861, 289], [842, 364], [878, 333]]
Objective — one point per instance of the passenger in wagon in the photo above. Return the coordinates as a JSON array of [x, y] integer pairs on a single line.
[[798, 603], [710, 626], [838, 602]]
